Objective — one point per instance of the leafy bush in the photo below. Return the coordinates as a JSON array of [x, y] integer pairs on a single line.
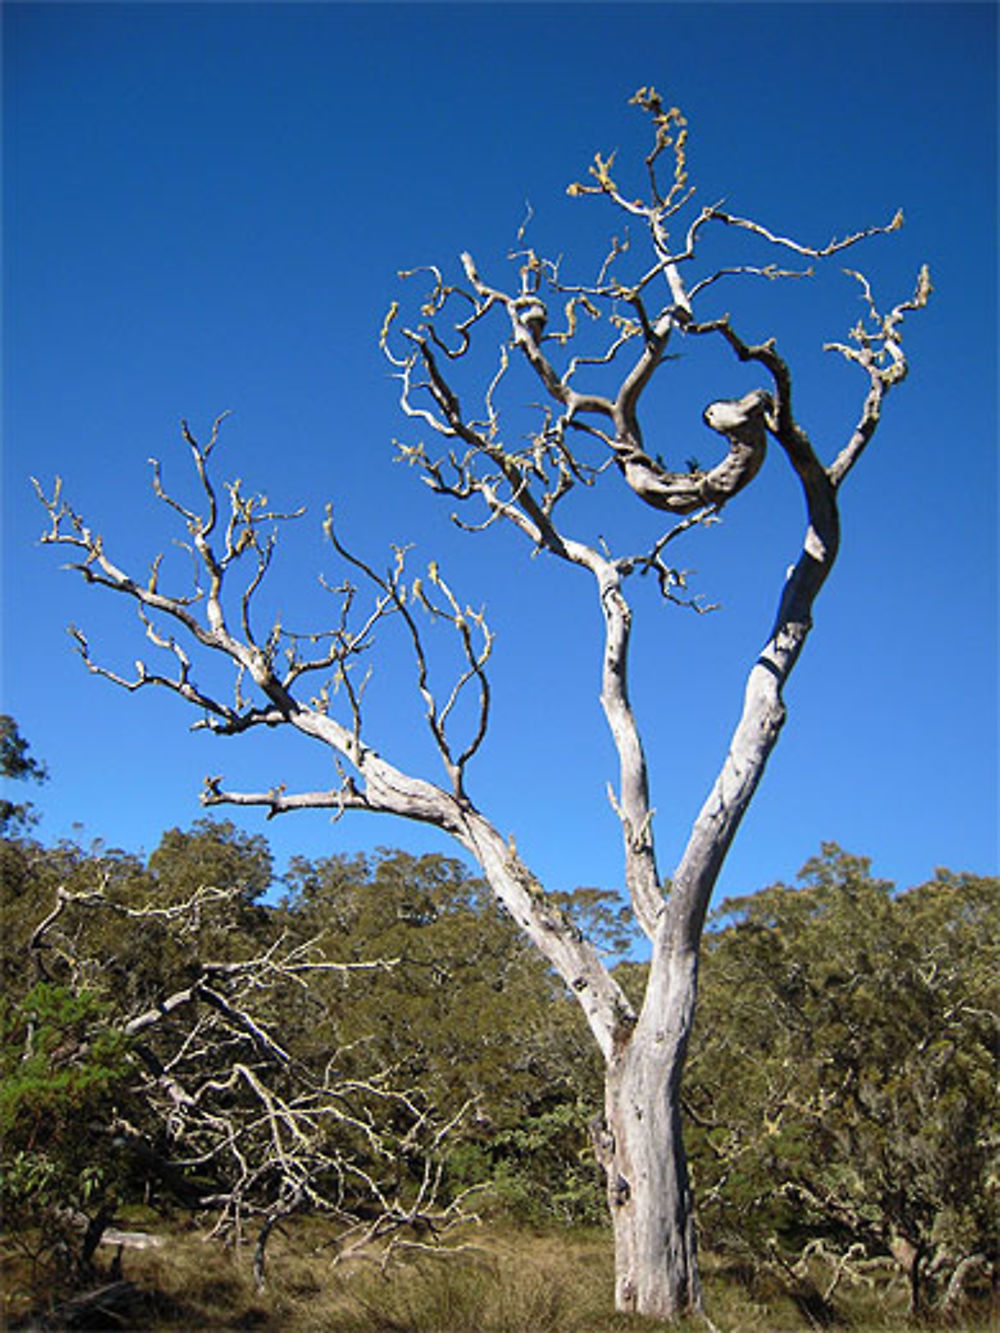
[[842, 1082], [63, 1071], [544, 1171]]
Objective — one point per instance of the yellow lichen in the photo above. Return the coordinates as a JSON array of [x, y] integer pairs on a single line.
[[391, 314]]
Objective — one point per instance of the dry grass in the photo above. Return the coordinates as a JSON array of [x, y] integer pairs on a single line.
[[515, 1282]]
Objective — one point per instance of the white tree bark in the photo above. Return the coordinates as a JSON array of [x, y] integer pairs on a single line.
[[641, 1148]]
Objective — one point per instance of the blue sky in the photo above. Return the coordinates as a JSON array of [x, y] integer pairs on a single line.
[[205, 209]]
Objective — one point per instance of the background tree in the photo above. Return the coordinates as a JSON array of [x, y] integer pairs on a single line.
[[66, 1061], [842, 1086], [18, 766], [592, 368], [471, 1013], [64, 1070]]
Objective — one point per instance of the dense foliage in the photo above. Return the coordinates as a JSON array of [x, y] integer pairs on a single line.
[[843, 1084], [466, 1009], [16, 764]]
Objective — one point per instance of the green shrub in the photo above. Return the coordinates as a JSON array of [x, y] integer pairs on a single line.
[[62, 1071]]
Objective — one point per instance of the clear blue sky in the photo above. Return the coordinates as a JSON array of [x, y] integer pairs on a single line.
[[205, 208]]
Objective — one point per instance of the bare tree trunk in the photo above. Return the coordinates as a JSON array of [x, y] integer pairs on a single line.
[[640, 1146], [649, 1192]]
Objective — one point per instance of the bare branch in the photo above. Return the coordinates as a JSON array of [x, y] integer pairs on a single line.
[[832, 247], [632, 805], [770, 271], [277, 801], [223, 1098], [879, 351]]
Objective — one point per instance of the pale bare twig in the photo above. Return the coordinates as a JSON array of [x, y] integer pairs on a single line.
[[235, 1106]]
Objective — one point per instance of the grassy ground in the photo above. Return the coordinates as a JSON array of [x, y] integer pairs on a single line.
[[515, 1282]]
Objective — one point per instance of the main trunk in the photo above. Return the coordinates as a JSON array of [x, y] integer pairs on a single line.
[[649, 1192]]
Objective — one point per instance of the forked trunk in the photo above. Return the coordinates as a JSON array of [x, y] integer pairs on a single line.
[[649, 1191]]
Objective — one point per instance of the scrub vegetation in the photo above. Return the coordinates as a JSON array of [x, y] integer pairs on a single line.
[[357, 1099]]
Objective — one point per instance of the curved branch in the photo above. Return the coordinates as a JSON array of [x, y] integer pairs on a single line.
[[742, 422]]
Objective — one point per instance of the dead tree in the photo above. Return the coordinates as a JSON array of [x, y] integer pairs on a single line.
[[234, 1125], [616, 329]]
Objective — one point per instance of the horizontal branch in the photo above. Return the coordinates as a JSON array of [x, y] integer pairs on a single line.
[[833, 246]]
